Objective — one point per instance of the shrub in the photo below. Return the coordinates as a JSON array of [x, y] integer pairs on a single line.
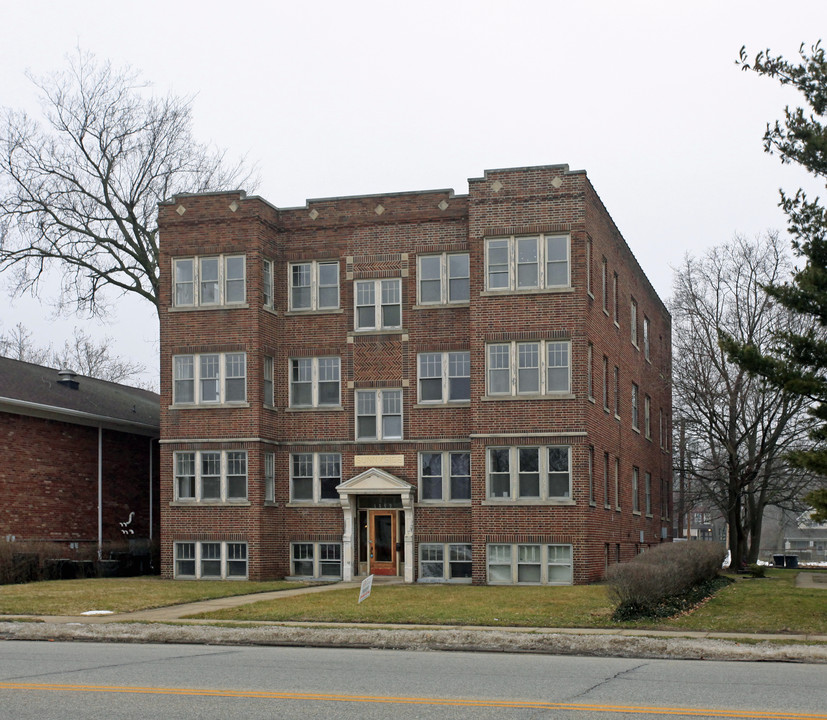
[[664, 571]]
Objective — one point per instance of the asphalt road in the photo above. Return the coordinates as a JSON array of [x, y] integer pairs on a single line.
[[43, 680]]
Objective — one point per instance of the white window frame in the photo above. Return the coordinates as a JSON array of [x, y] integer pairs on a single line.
[[227, 559], [647, 417], [636, 407], [267, 283], [446, 279], [604, 284], [197, 380], [316, 303], [542, 556], [592, 491], [269, 381], [318, 366], [378, 303], [298, 553], [516, 361], [221, 281], [269, 477], [606, 383], [447, 364], [319, 470], [648, 493], [380, 413], [606, 499], [513, 263], [446, 476], [446, 556], [514, 472], [590, 371], [589, 266], [633, 322], [647, 330], [636, 490], [225, 468]]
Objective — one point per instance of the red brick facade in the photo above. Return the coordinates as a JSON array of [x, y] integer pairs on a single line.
[[518, 309]]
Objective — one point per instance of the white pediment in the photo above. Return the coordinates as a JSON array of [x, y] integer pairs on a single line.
[[374, 481]]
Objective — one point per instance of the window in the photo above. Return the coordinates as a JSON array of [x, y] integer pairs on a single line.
[[378, 414], [664, 498], [510, 564], [444, 377], [617, 483], [444, 278], [529, 473], [606, 500], [314, 382], [267, 385], [211, 476], [444, 476], [205, 281], [314, 477], [615, 306], [646, 334], [633, 321], [378, 304], [604, 285], [635, 407], [589, 373], [526, 263], [648, 480], [660, 427], [591, 475], [267, 283], [617, 391], [211, 560], [269, 477], [647, 417], [433, 565], [215, 378], [316, 559], [589, 266], [314, 285], [606, 383], [529, 368], [635, 490]]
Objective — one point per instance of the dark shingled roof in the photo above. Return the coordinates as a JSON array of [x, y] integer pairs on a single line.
[[28, 389]]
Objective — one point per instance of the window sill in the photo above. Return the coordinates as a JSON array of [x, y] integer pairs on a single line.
[[269, 309], [607, 507], [605, 312], [590, 294], [331, 311], [528, 291], [552, 396], [318, 408], [592, 400], [443, 503], [592, 503], [208, 406], [636, 512], [442, 306], [379, 440], [376, 331], [271, 408], [270, 503], [193, 308], [311, 504], [492, 502], [210, 503], [437, 406], [636, 429]]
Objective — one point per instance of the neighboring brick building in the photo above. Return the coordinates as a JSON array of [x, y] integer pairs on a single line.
[[421, 384], [66, 438]]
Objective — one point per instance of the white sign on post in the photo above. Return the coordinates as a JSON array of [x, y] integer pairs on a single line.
[[364, 591]]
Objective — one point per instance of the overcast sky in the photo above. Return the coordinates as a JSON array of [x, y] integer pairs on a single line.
[[348, 98]]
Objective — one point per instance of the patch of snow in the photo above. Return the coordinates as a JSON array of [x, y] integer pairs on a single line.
[[97, 612]]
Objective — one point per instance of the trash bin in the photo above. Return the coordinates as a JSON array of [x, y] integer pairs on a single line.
[[791, 561], [778, 561]]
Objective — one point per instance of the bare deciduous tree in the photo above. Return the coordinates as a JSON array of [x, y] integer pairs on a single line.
[[82, 354], [739, 427], [80, 188]]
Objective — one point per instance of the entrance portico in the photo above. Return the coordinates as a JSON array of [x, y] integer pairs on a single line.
[[378, 519]]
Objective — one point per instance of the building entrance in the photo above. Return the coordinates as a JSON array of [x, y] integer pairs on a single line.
[[382, 532]]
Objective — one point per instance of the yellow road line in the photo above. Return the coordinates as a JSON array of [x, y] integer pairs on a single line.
[[391, 700]]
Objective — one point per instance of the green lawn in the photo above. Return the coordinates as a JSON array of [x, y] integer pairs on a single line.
[[772, 604], [72, 597], [768, 605]]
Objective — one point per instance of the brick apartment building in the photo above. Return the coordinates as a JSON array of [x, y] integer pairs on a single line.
[[468, 388], [80, 459]]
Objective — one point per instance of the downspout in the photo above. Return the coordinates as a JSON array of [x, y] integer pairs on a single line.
[[150, 488], [100, 492]]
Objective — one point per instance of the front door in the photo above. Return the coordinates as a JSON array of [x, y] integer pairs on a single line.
[[382, 542]]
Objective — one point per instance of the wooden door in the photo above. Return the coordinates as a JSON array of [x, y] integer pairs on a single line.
[[382, 542]]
